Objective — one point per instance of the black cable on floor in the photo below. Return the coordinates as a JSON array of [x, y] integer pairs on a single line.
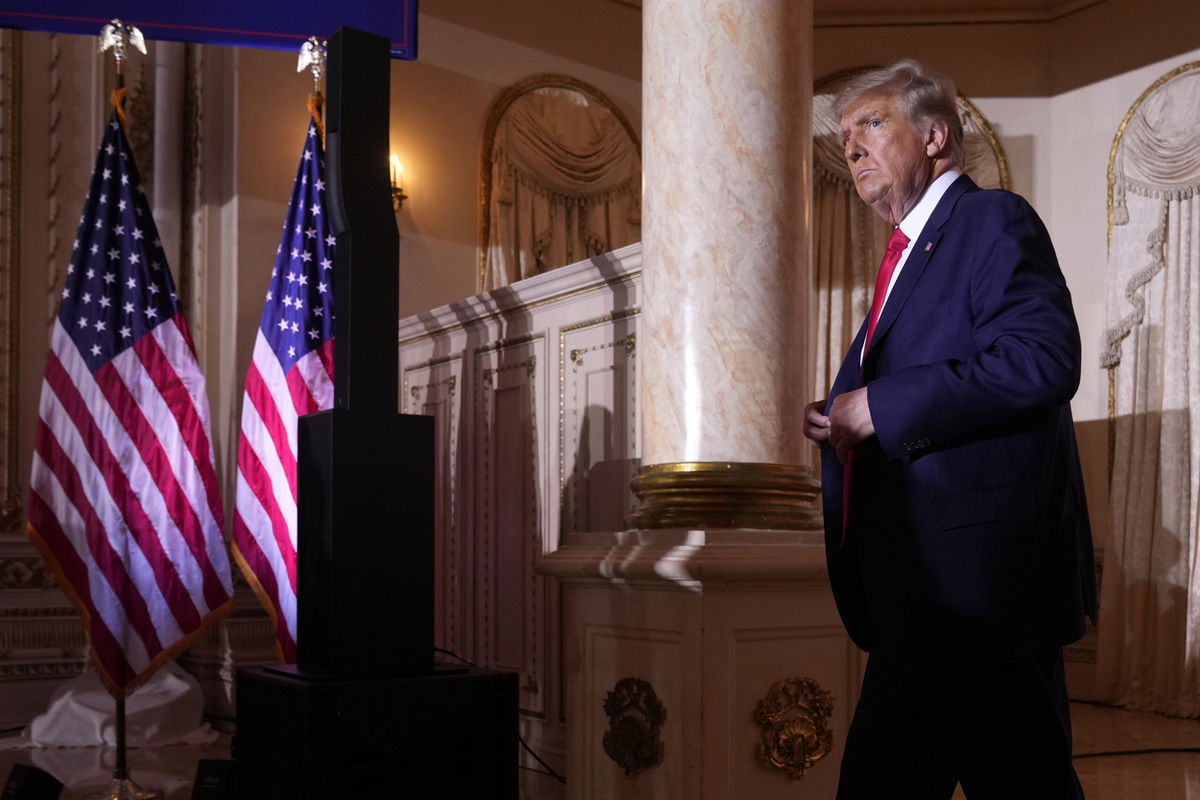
[[1138, 752], [528, 749], [1145, 751]]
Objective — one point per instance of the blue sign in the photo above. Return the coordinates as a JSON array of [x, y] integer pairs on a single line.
[[282, 26]]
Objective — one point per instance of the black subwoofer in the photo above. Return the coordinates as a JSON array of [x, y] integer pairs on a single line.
[[449, 733]]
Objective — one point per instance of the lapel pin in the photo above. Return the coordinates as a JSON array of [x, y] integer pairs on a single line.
[[928, 246]]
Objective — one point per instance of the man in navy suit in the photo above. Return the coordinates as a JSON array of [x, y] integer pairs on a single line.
[[957, 533]]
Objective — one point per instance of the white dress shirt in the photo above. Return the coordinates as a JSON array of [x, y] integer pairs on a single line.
[[914, 222]]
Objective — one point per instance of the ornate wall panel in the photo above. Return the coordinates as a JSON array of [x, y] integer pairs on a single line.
[[598, 369], [433, 389], [818, 665], [659, 657], [509, 413], [525, 383], [10, 184]]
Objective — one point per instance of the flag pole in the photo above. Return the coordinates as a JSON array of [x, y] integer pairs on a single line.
[[121, 768], [117, 36]]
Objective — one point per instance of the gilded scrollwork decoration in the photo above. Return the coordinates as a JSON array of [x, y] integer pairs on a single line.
[[635, 719], [793, 718], [26, 572]]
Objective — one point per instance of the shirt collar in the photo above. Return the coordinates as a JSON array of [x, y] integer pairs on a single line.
[[914, 222]]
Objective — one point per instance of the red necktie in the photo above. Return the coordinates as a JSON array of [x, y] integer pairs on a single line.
[[891, 257]]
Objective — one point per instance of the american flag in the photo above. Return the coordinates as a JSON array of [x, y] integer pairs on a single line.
[[124, 500], [290, 374]]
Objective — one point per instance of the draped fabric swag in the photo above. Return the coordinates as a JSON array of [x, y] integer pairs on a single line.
[[849, 237], [565, 184], [1149, 636]]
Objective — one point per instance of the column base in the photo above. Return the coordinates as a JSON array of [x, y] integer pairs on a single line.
[[718, 494], [702, 664]]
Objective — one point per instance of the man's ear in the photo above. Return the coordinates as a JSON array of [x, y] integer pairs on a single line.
[[937, 138]]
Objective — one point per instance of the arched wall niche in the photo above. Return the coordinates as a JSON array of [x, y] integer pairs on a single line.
[[560, 179], [1150, 352]]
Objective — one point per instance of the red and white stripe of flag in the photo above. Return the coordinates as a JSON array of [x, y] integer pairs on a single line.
[[124, 499], [264, 525]]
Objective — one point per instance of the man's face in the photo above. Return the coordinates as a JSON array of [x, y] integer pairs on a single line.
[[889, 160]]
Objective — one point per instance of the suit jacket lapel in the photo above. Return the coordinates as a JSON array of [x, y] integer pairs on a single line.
[[923, 249]]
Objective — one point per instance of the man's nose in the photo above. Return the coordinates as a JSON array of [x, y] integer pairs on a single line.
[[853, 149]]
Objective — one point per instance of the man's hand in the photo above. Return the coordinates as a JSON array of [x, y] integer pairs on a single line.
[[849, 422], [816, 424]]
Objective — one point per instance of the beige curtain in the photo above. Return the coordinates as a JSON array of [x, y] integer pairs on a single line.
[[849, 238], [1149, 636], [565, 185]]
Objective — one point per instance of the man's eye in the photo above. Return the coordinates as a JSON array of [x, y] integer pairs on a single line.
[[875, 123]]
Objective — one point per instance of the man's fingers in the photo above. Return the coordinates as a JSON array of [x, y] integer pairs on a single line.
[[816, 424]]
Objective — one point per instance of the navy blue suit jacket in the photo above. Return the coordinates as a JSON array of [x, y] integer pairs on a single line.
[[968, 529]]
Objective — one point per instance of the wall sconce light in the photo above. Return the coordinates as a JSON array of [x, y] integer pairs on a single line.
[[398, 195]]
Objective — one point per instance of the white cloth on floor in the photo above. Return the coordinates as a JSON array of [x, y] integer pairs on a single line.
[[167, 709]]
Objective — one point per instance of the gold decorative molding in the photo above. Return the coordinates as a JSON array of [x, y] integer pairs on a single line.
[[498, 109], [715, 494], [990, 137], [501, 344], [450, 383], [635, 719], [11, 506], [793, 718]]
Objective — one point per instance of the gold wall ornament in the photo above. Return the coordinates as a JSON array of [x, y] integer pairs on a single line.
[[635, 718], [793, 719]]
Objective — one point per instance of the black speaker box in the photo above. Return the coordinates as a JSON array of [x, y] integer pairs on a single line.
[[449, 733], [365, 571], [27, 782]]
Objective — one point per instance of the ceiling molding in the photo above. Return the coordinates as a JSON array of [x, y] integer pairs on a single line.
[[827, 14], [956, 16]]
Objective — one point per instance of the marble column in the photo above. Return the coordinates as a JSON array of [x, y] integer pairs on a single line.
[[703, 652], [727, 93]]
